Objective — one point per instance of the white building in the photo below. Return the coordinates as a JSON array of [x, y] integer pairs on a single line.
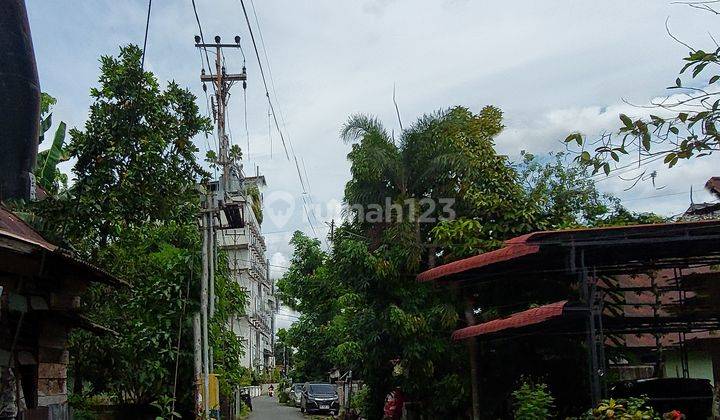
[[246, 253]]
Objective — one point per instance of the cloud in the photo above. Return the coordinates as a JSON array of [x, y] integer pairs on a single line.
[[553, 68], [670, 192]]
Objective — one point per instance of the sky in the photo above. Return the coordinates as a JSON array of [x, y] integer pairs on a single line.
[[553, 67]]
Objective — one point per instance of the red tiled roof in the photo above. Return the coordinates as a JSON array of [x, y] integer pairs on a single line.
[[521, 319], [481, 260], [14, 227]]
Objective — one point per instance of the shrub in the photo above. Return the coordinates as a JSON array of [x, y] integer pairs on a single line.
[[360, 401], [622, 409], [283, 396], [244, 412], [533, 401]]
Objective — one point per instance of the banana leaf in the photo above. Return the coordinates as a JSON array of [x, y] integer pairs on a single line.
[[49, 159]]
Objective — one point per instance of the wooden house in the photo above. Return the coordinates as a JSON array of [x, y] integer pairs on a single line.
[[40, 288]]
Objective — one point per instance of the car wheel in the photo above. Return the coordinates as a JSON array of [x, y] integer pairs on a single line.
[[302, 409]]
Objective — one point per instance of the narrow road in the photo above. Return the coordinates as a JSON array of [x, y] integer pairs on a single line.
[[265, 407], [268, 408]]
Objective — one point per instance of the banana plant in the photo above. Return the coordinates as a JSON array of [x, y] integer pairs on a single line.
[[47, 176], [46, 173]]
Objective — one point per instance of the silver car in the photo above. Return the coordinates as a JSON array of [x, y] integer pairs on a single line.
[[296, 394]]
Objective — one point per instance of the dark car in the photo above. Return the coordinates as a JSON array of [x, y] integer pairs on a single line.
[[317, 397], [692, 397]]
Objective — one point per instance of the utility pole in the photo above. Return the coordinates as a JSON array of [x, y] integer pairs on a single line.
[[206, 219], [222, 81], [332, 229], [214, 202], [197, 357]]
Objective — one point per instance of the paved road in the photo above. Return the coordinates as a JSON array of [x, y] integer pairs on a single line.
[[265, 407]]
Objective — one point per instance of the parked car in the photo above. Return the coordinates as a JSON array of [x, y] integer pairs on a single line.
[[319, 397], [692, 397], [295, 393]]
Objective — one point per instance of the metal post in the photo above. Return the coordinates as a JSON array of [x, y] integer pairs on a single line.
[[593, 365], [349, 393], [474, 366]]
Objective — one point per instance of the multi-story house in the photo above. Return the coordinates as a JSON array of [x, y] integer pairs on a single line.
[[248, 265]]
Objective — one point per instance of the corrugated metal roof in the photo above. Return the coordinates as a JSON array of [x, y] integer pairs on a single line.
[[526, 318], [532, 242], [11, 226], [14, 227], [567, 235], [487, 258]]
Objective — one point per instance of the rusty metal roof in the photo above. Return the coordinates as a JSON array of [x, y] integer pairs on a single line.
[[14, 227], [530, 317], [618, 245], [503, 254]]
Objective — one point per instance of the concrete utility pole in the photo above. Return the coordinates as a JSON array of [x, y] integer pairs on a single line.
[[206, 222], [214, 200], [222, 81], [197, 350]]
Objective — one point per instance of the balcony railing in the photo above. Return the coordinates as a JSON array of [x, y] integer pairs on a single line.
[[256, 232], [261, 323]]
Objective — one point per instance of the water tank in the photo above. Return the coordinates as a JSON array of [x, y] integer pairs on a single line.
[[19, 102]]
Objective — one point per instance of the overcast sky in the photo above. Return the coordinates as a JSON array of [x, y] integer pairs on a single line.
[[552, 66]]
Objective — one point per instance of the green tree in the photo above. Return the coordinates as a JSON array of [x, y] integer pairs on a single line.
[[378, 321], [566, 196], [132, 211], [362, 307], [135, 158], [284, 352]]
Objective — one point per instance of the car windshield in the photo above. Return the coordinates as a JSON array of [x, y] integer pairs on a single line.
[[321, 389]]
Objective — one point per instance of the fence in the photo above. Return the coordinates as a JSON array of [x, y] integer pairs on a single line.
[[254, 391], [345, 389]]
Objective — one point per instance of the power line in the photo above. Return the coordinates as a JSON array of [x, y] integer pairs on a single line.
[[202, 37], [289, 316], [270, 74], [147, 27], [262, 74], [247, 132], [656, 196], [272, 107]]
